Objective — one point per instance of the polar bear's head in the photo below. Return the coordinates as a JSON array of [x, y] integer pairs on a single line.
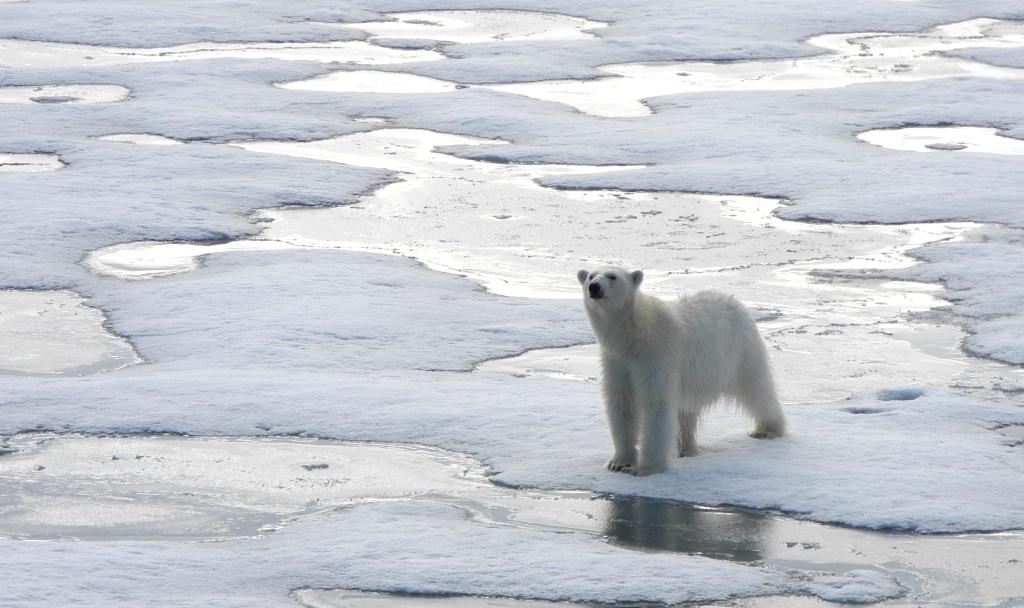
[[609, 287]]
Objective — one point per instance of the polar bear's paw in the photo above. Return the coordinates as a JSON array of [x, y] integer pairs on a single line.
[[767, 432], [619, 463], [642, 471]]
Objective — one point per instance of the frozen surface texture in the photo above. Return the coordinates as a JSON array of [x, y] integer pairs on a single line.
[[250, 363], [194, 137]]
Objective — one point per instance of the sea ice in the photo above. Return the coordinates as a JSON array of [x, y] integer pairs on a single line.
[[280, 342], [852, 58]]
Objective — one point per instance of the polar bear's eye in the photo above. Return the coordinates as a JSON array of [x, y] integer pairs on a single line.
[[612, 277]]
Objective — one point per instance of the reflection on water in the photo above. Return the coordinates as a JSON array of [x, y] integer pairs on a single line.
[[663, 525]]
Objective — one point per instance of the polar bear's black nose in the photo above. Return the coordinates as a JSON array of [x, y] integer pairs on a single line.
[[595, 290]]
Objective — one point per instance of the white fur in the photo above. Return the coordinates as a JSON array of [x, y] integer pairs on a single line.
[[663, 365]]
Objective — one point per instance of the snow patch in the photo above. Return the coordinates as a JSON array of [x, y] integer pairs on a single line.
[[146, 139], [474, 26], [944, 139], [37, 54], [63, 93], [148, 260], [371, 81], [29, 163]]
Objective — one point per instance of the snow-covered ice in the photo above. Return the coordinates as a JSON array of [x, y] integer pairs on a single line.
[[293, 228]]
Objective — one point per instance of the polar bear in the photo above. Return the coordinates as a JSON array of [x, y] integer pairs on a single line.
[[664, 364]]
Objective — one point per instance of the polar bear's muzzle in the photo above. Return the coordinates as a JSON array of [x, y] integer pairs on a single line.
[[595, 291]]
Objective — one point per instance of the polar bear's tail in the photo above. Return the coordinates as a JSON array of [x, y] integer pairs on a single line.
[[757, 395]]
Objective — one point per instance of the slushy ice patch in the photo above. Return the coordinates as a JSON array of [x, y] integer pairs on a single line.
[[159, 486], [472, 26], [36, 54], [63, 93], [29, 163], [55, 332]]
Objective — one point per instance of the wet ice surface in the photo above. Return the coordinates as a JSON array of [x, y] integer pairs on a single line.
[[34, 54], [847, 59], [327, 598], [371, 81], [28, 163], [169, 487], [145, 139], [138, 487], [944, 139], [148, 260], [63, 93], [494, 224], [479, 26], [54, 332]]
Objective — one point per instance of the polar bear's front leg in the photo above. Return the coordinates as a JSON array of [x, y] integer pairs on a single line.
[[656, 400], [622, 419]]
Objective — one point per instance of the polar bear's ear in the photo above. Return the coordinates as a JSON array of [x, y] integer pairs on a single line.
[[637, 276], [582, 275]]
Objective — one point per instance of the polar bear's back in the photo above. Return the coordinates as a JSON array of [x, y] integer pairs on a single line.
[[714, 312], [719, 340]]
